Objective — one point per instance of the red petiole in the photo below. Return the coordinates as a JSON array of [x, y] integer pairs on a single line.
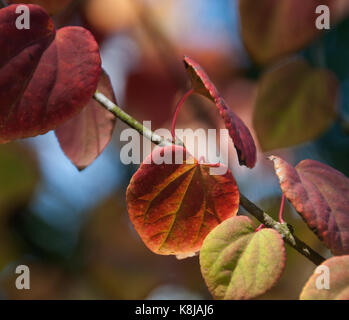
[[260, 227], [281, 211], [178, 107]]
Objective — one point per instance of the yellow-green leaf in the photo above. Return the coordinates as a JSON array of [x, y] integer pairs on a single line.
[[239, 263]]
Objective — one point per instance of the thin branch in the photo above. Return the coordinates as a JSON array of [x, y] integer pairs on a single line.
[[284, 229], [133, 123]]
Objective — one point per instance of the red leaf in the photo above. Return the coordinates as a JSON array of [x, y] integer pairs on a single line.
[[174, 206], [240, 134], [51, 6], [84, 137], [44, 80], [320, 194]]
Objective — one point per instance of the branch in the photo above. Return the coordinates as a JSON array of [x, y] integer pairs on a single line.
[[133, 123], [284, 229]]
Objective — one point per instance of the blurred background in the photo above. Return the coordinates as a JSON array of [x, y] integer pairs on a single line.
[[288, 81]]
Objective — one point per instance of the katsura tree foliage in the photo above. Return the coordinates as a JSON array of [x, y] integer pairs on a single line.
[[52, 80]]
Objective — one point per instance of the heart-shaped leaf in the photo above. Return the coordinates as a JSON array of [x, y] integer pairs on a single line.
[[84, 137], [320, 195], [240, 134], [174, 206], [51, 6], [288, 97], [239, 263], [338, 273], [45, 79], [273, 28]]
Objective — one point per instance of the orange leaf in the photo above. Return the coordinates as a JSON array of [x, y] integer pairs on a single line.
[[174, 206]]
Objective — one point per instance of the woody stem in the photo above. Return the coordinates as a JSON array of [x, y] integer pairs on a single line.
[[285, 230]]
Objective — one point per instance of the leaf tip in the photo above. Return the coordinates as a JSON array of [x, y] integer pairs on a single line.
[[183, 256]]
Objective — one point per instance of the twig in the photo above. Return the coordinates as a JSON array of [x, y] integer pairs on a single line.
[[133, 123], [284, 229]]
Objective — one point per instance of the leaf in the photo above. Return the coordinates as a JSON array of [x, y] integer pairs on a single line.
[[338, 280], [239, 263], [240, 134], [288, 97], [84, 137], [45, 78], [51, 6], [320, 194], [174, 206], [273, 28]]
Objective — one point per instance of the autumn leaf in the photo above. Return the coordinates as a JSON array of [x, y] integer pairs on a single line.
[[273, 28], [338, 273], [239, 263], [84, 137], [46, 78], [288, 97], [51, 6], [240, 134], [174, 206], [320, 194]]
